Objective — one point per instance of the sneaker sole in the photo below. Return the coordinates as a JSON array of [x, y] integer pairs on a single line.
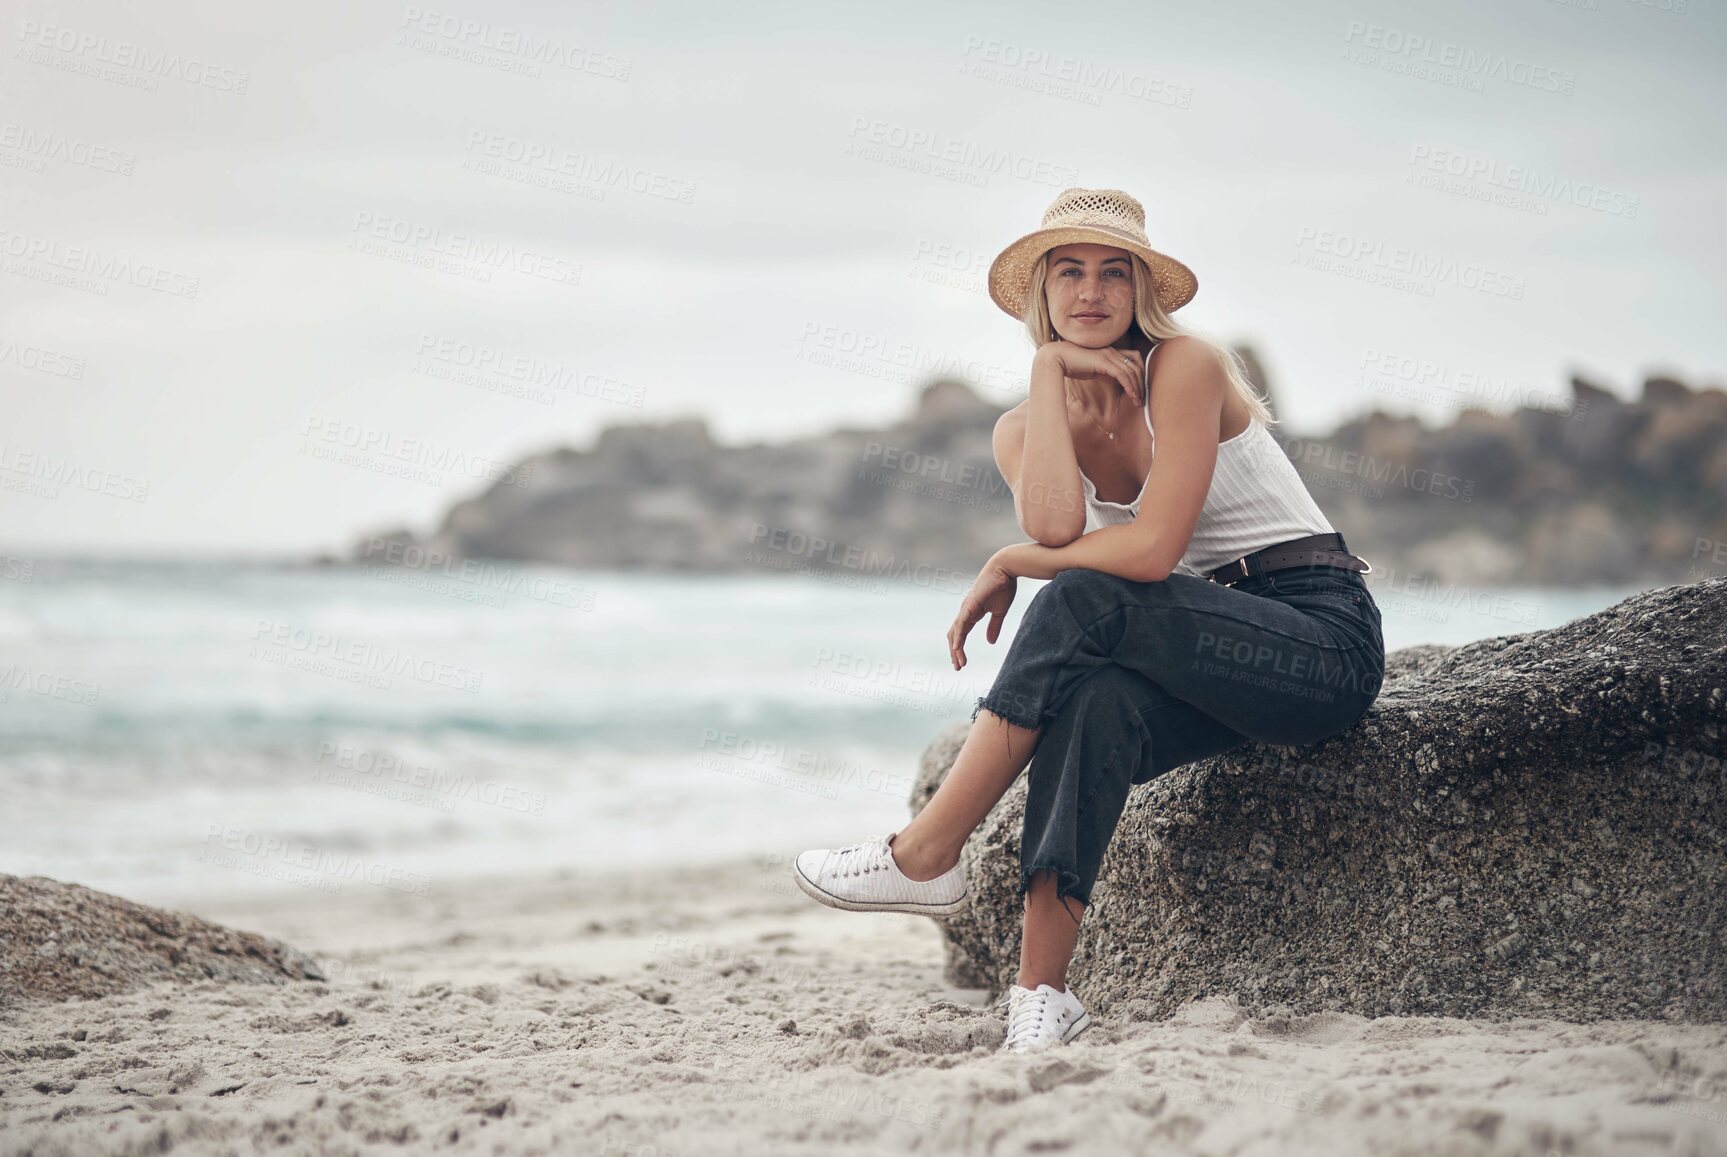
[[814, 892]]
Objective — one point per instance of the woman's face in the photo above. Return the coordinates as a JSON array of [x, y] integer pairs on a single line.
[[1089, 288]]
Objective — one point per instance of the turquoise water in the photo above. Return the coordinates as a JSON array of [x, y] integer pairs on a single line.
[[170, 729]]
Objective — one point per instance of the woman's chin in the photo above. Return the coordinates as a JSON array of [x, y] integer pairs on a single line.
[[1091, 341]]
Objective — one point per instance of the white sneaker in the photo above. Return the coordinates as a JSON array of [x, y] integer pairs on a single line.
[[864, 878], [1041, 1018]]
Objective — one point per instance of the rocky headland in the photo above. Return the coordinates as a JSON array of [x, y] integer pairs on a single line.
[[1598, 490]]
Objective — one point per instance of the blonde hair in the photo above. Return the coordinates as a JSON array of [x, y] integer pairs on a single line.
[[1152, 323]]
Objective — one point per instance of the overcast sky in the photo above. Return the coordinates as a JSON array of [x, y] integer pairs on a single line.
[[273, 277]]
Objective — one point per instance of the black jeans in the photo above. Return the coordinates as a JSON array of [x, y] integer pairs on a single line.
[[1127, 680]]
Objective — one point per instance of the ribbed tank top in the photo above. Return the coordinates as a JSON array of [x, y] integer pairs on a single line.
[[1256, 500]]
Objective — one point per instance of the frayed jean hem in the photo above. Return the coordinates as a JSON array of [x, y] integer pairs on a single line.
[[1067, 882], [1027, 720]]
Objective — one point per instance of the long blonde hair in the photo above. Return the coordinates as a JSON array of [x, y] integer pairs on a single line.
[[1154, 325]]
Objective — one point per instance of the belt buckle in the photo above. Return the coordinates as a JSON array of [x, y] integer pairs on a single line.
[[1245, 573]]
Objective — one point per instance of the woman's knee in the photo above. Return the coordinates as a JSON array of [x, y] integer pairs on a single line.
[[1114, 688], [1077, 596], [1086, 593]]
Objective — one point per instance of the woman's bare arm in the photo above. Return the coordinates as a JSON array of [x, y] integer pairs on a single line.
[[1034, 446], [1048, 515], [1188, 389]]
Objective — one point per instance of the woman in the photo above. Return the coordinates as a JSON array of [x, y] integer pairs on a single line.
[[1217, 607]]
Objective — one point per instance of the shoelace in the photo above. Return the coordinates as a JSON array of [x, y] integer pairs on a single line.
[[1025, 1017], [870, 856]]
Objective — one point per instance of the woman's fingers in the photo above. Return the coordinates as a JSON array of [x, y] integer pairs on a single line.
[[957, 633]]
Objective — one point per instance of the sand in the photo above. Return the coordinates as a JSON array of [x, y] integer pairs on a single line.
[[718, 1011]]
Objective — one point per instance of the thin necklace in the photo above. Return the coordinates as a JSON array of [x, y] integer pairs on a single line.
[[1100, 425]]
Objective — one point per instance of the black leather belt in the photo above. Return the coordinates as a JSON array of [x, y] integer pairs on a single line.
[[1313, 550]]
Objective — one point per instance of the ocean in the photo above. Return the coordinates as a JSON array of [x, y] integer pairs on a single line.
[[170, 730]]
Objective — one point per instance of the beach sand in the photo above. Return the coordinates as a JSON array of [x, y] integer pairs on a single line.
[[718, 1011]]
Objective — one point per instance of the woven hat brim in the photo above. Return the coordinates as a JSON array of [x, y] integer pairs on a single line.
[[1010, 273]]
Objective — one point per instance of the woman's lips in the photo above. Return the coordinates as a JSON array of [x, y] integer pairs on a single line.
[[1091, 317]]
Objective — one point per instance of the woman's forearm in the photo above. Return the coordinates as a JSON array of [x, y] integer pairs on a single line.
[[1128, 550], [1052, 507]]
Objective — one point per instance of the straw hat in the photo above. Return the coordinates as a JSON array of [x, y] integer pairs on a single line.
[[1103, 216]]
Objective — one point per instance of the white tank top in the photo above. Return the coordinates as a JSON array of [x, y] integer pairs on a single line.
[[1256, 500]]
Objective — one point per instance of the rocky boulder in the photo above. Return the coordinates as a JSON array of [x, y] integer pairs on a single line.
[[1528, 825], [59, 941]]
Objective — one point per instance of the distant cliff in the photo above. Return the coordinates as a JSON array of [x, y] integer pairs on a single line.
[[1601, 491]]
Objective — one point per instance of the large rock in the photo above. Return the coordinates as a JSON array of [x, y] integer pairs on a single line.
[[59, 941], [1527, 825]]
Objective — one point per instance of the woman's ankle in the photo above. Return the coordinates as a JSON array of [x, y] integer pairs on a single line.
[[1031, 980], [919, 861]]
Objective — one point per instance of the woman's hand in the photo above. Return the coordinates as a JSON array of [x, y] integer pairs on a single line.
[[992, 594], [1124, 366]]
